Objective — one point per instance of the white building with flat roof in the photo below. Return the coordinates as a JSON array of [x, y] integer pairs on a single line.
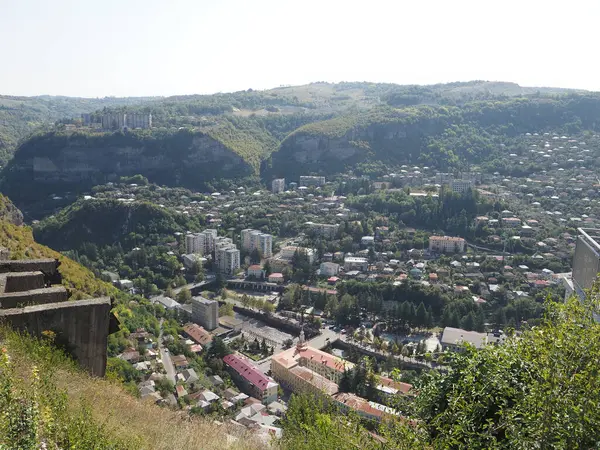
[[356, 263], [446, 244]]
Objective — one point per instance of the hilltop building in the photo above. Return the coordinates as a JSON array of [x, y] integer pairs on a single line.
[[118, 121]]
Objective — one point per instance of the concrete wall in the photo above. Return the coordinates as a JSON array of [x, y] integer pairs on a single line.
[[81, 328], [23, 281], [34, 297]]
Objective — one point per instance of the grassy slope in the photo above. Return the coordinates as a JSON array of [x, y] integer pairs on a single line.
[[79, 280], [100, 410]]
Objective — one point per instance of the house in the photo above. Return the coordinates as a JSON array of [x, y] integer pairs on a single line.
[[355, 263], [181, 392], [251, 379], [198, 334], [256, 271], [329, 269], [179, 361], [276, 278], [216, 380], [131, 356], [189, 376], [454, 338]]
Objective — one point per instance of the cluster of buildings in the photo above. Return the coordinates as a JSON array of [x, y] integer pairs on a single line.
[[226, 254], [304, 369], [118, 121], [285, 256]]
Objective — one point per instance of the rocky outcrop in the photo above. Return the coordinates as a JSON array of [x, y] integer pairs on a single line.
[[59, 163], [10, 212]]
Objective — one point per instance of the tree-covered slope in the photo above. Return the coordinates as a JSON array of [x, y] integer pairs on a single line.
[[57, 163], [108, 222], [19, 116], [538, 390], [80, 281], [435, 135]]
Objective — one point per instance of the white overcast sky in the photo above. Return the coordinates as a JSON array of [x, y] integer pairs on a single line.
[[166, 47]]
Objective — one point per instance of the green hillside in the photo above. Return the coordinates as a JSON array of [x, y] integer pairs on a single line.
[[107, 222], [20, 116], [441, 136]]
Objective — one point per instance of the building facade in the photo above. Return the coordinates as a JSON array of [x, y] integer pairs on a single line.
[[278, 185], [312, 181], [355, 263], [446, 244], [227, 259], [325, 230], [205, 312], [250, 379], [256, 240], [460, 186], [586, 260], [329, 269]]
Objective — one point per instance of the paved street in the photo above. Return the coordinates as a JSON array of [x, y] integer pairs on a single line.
[[166, 357]]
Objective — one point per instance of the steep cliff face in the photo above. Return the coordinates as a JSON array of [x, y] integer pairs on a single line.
[[9, 212], [60, 163], [318, 149]]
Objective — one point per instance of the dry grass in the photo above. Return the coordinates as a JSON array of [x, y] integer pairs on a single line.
[[121, 416]]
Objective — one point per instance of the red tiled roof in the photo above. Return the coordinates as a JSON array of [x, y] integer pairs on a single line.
[[398, 385], [247, 370], [197, 333], [254, 267]]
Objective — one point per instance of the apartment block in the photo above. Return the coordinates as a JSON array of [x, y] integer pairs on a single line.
[[325, 230], [278, 185], [446, 244], [312, 181], [205, 312], [460, 186], [251, 380], [227, 258], [256, 240]]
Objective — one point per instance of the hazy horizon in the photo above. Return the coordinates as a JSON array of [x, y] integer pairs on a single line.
[[151, 48]]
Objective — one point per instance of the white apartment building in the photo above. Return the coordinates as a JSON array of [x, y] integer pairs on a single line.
[[289, 251], [460, 185], [202, 243], [278, 185], [355, 263], [325, 230], [311, 181], [446, 244], [227, 259], [254, 239]]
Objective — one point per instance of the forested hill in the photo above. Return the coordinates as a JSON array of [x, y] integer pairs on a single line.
[[20, 116], [441, 136], [110, 222], [319, 128]]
